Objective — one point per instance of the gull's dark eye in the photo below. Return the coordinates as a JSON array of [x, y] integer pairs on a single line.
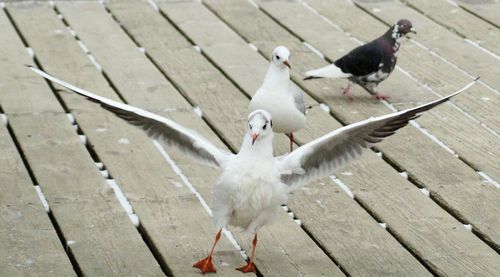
[[264, 127], [277, 57], [404, 26]]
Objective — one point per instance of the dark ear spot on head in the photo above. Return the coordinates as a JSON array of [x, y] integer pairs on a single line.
[[271, 123]]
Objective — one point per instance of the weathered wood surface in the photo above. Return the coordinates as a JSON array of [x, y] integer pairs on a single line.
[[148, 59], [82, 203], [484, 9], [458, 20], [29, 245]]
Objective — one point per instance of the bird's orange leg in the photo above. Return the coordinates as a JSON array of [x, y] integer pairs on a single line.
[[249, 267], [206, 264]]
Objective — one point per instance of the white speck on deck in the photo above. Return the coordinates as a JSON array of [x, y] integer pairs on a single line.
[[104, 173], [153, 4], [42, 198], [383, 225], [198, 111], [30, 52], [123, 141], [197, 48], [343, 186], [468, 227], [4, 119], [314, 50], [100, 166], [100, 130], [71, 118], [425, 192], [83, 139], [404, 174], [347, 173], [324, 107], [253, 46], [488, 179]]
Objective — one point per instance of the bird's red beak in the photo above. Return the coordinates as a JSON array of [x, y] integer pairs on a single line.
[[287, 64], [254, 137]]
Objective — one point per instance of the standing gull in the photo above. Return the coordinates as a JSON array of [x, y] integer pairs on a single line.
[[253, 184], [280, 97], [368, 64]]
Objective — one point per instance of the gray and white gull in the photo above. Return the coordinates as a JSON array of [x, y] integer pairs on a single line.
[[253, 184], [280, 97]]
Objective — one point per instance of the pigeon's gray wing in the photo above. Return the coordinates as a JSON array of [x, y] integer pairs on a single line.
[[298, 98], [157, 127], [319, 158]]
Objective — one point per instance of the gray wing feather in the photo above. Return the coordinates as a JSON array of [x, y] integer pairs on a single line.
[[167, 131], [319, 158], [298, 97]]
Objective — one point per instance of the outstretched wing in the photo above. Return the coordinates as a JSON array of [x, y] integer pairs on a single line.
[[319, 158], [157, 127]]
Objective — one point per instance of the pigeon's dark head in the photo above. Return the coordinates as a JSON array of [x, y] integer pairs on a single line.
[[403, 27]]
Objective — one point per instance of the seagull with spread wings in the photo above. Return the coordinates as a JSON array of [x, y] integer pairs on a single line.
[[253, 184]]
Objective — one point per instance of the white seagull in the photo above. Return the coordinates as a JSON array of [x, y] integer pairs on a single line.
[[280, 97], [253, 184]]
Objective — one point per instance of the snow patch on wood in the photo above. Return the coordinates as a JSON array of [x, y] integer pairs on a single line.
[[342, 185], [42, 198]]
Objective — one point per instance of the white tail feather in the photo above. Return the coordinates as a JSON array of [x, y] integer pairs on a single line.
[[330, 71]]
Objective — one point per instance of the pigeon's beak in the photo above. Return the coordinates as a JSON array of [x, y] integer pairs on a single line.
[[412, 30], [287, 64], [254, 137]]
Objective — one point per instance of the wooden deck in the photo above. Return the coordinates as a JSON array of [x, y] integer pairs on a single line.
[[84, 193]]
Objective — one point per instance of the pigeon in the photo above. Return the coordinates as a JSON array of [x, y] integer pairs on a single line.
[[280, 97], [368, 64], [253, 184]]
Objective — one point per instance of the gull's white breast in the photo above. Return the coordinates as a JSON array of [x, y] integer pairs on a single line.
[[248, 195]]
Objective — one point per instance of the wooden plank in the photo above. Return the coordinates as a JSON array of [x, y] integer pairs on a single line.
[[29, 245], [459, 20], [450, 15], [273, 258], [250, 22], [81, 202], [484, 9], [480, 101], [435, 37], [170, 215]]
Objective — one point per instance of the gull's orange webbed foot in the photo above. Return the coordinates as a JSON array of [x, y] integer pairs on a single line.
[[249, 267], [205, 265]]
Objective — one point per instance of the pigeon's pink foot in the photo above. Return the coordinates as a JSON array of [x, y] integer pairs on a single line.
[[381, 96], [205, 265], [249, 267], [345, 92]]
